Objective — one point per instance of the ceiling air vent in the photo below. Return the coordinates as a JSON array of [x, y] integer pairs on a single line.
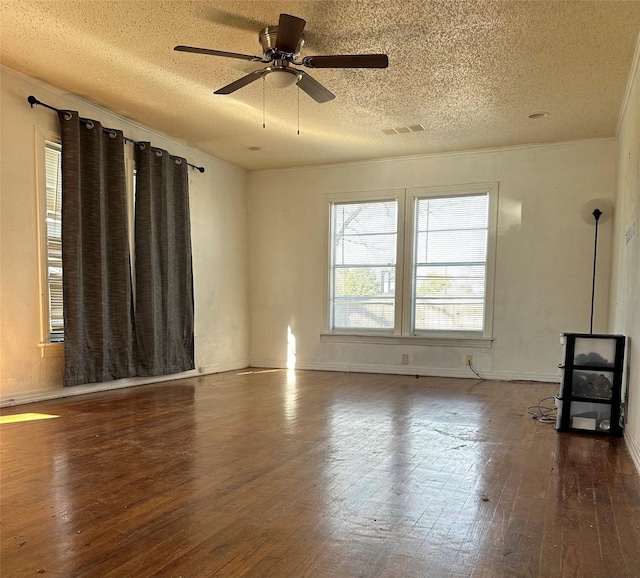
[[403, 129]]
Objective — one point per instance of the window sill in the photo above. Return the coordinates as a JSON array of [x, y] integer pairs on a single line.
[[51, 349], [422, 340]]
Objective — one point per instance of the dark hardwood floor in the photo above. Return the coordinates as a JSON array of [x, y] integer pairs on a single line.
[[313, 474]]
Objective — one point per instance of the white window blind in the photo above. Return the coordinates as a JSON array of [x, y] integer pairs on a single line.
[[53, 221], [363, 265], [450, 263]]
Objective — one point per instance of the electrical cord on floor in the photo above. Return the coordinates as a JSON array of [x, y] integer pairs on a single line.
[[470, 365], [543, 413]]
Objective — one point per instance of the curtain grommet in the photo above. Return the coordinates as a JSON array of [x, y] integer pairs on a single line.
[[113, 133], [178, 161], [158, 153], [141, 146], [67, 115], [89, 124]]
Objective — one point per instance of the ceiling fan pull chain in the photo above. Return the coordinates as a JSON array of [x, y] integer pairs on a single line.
[[298, 110], [264, 125]]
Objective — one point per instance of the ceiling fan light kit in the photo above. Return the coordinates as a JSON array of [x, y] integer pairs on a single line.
[[282, 77], [281, 47]]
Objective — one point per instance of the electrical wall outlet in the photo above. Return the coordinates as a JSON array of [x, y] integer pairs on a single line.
[[405, 359], [468, 360]]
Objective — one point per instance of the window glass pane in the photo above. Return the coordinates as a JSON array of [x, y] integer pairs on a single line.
[[449, 315], [370, 249], [362, 218], [363, 264], [450, 281], [450, 263], [460, 212], [53, 171], [455, 246]]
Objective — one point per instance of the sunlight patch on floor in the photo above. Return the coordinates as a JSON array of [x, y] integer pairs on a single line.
[[20, 417]]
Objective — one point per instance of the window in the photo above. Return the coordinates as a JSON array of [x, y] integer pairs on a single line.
[[50, 231], [53, 236], [363, 264], [449, 263], [413, 263]]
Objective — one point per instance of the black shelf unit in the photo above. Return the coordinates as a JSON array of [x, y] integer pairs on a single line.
[[591, 387]]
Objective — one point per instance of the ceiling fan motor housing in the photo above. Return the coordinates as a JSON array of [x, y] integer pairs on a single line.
[[267, 39]]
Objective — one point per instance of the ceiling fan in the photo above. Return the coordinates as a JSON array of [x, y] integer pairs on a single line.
[[281, 47]]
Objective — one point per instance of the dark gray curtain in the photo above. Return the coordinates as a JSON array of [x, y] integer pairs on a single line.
[[99, 336], [163, 270]]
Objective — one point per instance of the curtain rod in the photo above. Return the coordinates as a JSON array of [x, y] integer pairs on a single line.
[[32, 100]]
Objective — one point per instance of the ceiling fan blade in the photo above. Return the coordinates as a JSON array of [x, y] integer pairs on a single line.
[[217, 53], [314, 89], [248, 79], [347, 61], [290, 30], [227, 18]]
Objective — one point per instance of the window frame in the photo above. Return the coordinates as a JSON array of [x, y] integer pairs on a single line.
[[403, 331], [48, 347], [489, 189], [397, 195]]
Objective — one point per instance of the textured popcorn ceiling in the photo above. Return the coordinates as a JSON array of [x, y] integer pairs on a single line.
[[468, 71]]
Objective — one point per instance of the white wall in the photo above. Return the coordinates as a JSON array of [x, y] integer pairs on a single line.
[[219, 238], [543, 268], [625, 294]]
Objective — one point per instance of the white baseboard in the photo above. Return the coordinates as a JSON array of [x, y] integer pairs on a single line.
[[634, 448], [463, 372], [221, 367], [47, 394], [44, 395]]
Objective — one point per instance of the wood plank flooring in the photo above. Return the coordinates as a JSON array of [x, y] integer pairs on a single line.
[[263, 473]]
